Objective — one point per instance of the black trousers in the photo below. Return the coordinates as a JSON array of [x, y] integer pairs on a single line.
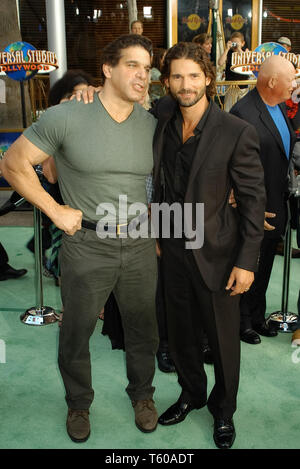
[[253, 303], [192, 308]]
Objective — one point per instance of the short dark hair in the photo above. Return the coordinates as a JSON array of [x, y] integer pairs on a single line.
[[111, 54], [63, 88], [192, 51]]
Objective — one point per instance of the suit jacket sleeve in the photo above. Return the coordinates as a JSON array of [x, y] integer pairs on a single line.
[[247, 177]]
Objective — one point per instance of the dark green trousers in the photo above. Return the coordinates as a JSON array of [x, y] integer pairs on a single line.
[[90, 269]]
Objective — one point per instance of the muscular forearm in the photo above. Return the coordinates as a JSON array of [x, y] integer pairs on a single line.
[[26, 182]]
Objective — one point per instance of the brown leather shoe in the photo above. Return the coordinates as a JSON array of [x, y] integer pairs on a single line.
[[78, 425], [146, 416], [296, 337]]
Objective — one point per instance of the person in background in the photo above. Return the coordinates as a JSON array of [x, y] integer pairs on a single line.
[[157, 89], [236, 44], [285, 42], [264, 108], [157, 62], [7, 271], [205, 41], [136, 27]]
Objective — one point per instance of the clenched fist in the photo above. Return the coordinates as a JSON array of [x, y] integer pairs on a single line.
[[67, 219]]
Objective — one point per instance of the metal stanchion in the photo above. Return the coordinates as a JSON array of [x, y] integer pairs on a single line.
[[38, 315], [283, 320]]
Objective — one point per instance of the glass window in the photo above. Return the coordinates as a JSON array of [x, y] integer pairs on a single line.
[[237, 16], [193, 18]]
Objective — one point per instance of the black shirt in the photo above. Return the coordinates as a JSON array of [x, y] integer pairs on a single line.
[[178, 156]]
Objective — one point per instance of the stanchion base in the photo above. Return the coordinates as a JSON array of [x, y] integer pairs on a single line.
[[39, 317], [283, 324]]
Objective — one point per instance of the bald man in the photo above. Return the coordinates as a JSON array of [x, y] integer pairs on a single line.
[[264, 108]]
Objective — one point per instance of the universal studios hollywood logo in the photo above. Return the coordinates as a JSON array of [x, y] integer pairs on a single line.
[[21, 61], [248, 62]]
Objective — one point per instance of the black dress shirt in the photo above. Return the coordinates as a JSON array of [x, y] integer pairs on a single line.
[[178, 156]]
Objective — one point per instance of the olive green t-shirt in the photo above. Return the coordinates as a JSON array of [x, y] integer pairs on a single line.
[[97, 158]]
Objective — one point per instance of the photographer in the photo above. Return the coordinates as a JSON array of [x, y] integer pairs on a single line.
[[236, 43]]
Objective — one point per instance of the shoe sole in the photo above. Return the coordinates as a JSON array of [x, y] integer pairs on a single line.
[[225, 447], [76, 440], [144, 430]]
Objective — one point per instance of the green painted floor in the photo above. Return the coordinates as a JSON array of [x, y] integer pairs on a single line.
[[32, 405]]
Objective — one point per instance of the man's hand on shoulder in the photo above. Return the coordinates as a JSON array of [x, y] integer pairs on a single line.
[[87, 95], [67, 219]]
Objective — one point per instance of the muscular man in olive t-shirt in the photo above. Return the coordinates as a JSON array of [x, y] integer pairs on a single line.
[[102, 151]]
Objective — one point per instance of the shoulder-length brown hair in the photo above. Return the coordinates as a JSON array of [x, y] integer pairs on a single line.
[[192, 51]]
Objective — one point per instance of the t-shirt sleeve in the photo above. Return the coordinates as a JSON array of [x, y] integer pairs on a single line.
[[49, 131]]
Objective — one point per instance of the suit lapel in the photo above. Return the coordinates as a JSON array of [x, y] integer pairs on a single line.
[[267, 121], [207, 139]]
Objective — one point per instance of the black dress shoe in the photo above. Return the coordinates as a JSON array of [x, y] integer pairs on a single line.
[[224, 433], [265, 330], [9, 272], [280, 251], [176, 413], [207, 355], [250, 336], [165, 362]]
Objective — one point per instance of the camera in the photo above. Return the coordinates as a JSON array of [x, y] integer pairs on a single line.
[[233, 44]]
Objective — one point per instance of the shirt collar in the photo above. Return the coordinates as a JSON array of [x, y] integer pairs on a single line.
[[199, 127]]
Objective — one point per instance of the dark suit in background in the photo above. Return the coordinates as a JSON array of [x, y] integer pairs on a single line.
[[252, 109]]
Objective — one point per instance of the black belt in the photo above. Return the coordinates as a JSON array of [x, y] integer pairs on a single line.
[[117, 229]]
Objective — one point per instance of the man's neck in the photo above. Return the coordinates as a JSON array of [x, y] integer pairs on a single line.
[[193, 114], [191, 117], [267, 97], [117, 108]]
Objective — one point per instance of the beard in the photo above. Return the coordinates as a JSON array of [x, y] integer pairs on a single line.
[[190, 101]]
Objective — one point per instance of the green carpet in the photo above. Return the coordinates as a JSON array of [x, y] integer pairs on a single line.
[[32, 405]]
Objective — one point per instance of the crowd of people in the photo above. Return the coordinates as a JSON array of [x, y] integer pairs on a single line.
[[174, 298]]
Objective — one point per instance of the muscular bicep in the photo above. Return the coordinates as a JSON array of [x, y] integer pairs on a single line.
[[21, 154]]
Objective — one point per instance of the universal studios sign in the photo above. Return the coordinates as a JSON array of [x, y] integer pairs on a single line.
[[248, 62], [21, 61]]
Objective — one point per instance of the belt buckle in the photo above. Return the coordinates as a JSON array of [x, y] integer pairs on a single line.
[[118, 228]]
